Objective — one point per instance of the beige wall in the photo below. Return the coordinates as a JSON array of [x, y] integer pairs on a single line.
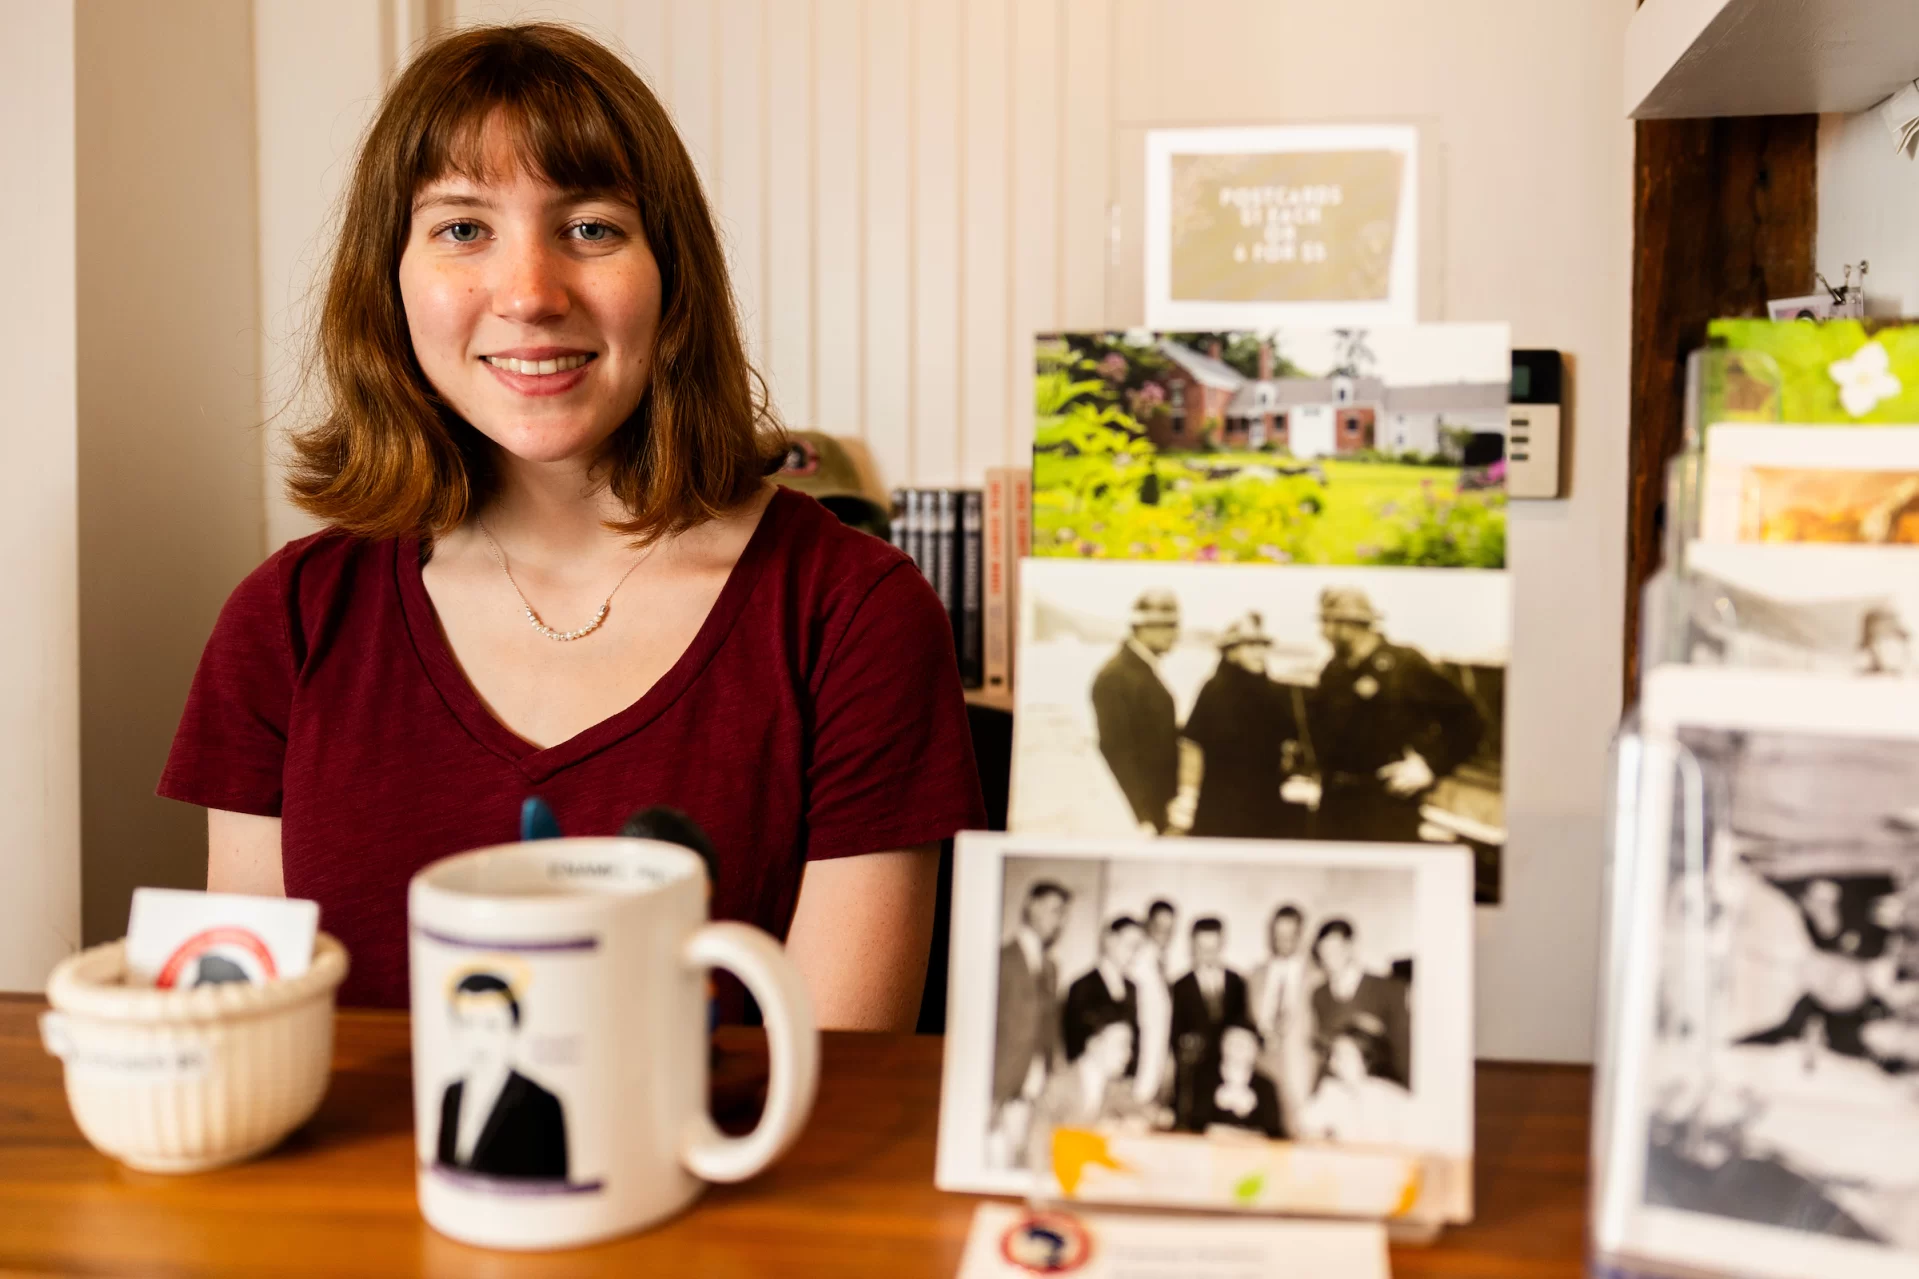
[[1868, 207], [319, 70], [170, 472], [39, 667]]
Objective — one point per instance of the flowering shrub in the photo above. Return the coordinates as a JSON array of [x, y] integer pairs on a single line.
[[1467, 530]]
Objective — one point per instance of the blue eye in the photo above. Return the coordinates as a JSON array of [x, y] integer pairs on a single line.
[[463, 232], [596, 232]]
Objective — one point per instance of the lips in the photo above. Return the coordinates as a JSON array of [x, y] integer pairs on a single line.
[[538, 373]]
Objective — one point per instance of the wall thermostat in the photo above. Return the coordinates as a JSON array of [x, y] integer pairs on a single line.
[[1533, 425]]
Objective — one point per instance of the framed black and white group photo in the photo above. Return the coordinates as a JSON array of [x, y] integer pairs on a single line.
[[1237, 990]]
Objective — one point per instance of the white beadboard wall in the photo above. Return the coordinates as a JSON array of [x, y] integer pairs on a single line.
[[866, 159]]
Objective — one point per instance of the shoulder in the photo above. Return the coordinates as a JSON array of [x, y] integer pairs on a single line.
[[533, 1095], [812, 543], [306, 581], [832, 569], [312, 567], [290, 583], [1398, 658], [1124, 665]]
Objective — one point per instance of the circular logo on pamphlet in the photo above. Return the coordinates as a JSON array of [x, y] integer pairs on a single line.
[[215, 956], [1047, 1243]]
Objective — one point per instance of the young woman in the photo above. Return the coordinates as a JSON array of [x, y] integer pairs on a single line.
[[554, 566]]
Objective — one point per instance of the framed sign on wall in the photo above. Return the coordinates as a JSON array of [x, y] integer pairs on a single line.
[[1295, 225]]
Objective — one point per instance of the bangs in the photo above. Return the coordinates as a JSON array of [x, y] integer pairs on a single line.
[[537, 108]]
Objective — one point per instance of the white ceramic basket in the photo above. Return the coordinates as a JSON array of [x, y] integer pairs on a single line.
[[185, 1080]]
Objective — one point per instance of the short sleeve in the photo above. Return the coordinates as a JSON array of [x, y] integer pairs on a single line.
[[890, 764], [231, 744]]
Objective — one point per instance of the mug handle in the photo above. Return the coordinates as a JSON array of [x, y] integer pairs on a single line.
[[792, 1046]]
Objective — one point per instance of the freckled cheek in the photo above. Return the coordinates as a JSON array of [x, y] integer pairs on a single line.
[[626, 307], [442, 309]]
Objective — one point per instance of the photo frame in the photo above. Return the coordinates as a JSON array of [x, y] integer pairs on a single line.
[[1755, 1116], [1395, 1137]]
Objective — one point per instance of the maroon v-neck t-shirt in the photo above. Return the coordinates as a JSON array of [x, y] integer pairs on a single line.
[[817, 714]]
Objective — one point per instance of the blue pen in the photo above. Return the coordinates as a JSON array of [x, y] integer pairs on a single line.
[[537, 820]]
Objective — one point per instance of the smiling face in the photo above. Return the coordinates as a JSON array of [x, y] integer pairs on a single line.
[[532, 310]]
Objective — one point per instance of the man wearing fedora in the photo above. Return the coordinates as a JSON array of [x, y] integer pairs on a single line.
[[1384, 724], [1138, 726], [1245, 728]]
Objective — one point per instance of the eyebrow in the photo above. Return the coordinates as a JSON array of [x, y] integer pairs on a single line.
[[467, 200]]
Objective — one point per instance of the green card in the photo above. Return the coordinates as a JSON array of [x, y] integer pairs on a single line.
[[1855, 372]]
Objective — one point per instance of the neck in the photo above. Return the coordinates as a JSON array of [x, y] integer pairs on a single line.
[[554, 513]]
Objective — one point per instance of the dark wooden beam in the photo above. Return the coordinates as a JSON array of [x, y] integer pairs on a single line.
[[1724, 217]]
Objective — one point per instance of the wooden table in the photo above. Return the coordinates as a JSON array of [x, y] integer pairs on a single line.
[[855, 1197]]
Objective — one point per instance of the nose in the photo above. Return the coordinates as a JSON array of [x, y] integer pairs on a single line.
[[531, 287]]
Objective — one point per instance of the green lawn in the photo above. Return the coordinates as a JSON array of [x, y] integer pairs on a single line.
[[1359, 494], [1361, 506]]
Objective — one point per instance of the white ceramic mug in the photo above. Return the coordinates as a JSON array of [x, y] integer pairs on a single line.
[[560, 1041]]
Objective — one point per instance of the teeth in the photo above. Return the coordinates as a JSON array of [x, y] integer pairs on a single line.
[[536, 368]]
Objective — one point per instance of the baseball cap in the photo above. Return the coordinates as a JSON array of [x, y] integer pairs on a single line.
[[823, 468]]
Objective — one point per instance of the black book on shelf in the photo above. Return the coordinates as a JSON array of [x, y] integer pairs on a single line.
[[896, 528], [943, 536], [916, 519], [969, 634]]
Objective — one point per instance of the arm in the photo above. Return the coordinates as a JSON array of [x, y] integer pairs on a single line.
[[1453, 722], [1116, 727], [860, 937], [243, 854], [1192, 773]]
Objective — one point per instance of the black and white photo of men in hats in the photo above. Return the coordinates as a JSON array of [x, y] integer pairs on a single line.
[[1137, 722], [1384, 724]]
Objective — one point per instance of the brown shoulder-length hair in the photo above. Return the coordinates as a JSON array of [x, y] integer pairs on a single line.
[[390, 457]]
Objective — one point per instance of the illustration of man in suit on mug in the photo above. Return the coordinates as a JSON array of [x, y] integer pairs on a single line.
[[493, 1119]]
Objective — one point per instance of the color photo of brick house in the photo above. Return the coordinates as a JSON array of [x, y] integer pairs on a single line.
[[1312, 417]]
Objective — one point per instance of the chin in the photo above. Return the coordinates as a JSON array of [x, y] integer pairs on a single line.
[[540, 443]]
